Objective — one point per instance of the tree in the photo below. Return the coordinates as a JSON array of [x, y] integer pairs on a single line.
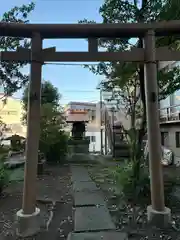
[[49, 94], [53, 140], [118, 74], [11, 76]]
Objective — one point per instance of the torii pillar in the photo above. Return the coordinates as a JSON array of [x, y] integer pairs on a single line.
[[28, 222], [157, 213]]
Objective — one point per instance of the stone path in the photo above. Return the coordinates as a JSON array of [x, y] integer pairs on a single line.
[[91, 216]]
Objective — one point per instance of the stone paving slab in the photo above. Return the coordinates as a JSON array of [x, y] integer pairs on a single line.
[[93, 219], [81, 177], [78, 169], [84, 186], [88, 198], [80, 174], [98, 236]]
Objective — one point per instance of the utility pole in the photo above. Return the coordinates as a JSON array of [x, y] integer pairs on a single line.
[[101, 122], [105, 130], [113, 134]]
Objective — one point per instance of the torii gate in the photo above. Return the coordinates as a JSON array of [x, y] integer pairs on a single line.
[[36, 56]]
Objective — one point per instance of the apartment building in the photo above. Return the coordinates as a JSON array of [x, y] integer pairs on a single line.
[[11, 114], [170, 105], [169, 119]]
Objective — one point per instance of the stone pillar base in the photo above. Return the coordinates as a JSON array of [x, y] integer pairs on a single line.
[[159, 219], [28, 224]]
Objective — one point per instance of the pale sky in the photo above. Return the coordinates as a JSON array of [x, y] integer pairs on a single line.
[[70, 80]]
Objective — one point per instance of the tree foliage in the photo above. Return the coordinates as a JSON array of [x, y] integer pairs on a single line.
[[53, 140], [52, 121], [49, 95], [11, 76], [120, 11], [118, 76]]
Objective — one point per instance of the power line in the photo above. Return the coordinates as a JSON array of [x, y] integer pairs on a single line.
[[80, 91], [72, 64], [67, 0], [70, 99]]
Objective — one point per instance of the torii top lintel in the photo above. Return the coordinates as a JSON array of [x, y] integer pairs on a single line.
[[89, 30]]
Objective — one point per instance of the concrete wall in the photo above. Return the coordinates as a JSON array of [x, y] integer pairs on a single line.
[[171, 143], [11, 114], [94, 146]]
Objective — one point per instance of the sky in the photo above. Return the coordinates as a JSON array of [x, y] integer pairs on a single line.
[[74, 82]]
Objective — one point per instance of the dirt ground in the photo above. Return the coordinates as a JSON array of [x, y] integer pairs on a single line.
[[53, 198], [122, 214]]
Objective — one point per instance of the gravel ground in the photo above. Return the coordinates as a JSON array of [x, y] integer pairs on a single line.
[[53, 198]]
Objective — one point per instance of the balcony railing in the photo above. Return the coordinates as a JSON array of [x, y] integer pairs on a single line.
[[170, 114]]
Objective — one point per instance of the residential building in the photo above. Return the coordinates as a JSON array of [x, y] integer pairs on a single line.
[[11, 114], [170, 119], [170, 105]]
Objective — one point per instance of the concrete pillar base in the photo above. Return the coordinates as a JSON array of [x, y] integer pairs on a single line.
[[159, 219], [28, 224]]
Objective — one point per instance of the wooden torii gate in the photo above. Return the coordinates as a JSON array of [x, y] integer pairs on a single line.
[[36, 56]]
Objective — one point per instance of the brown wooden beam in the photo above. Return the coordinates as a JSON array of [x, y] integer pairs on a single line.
[[18, 56], [165, 54], [93, 45], [135, 55], [50, 55], [122, 30]]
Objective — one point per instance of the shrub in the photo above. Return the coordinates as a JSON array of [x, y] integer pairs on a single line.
[[4, 149], [4, 178], [56, 150], [136, 190], [133, 189]]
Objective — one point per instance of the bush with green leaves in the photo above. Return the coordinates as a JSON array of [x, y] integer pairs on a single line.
[[53, 140], [55, 151], [133, 188], [4, 177], [136, 188]]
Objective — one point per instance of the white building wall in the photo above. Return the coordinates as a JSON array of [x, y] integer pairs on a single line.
[[171, 143], [94, 146], [173, 99]]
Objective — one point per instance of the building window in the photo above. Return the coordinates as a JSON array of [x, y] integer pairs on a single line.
[[164, 138], [93, 138], [178, 139], [93, 115], [93, 118]]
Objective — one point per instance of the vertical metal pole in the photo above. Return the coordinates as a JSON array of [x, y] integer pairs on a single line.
[[167, 114], [101, 121], [105, 130], [171, 107], [33, 127], [153, 128], [113, 133]]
